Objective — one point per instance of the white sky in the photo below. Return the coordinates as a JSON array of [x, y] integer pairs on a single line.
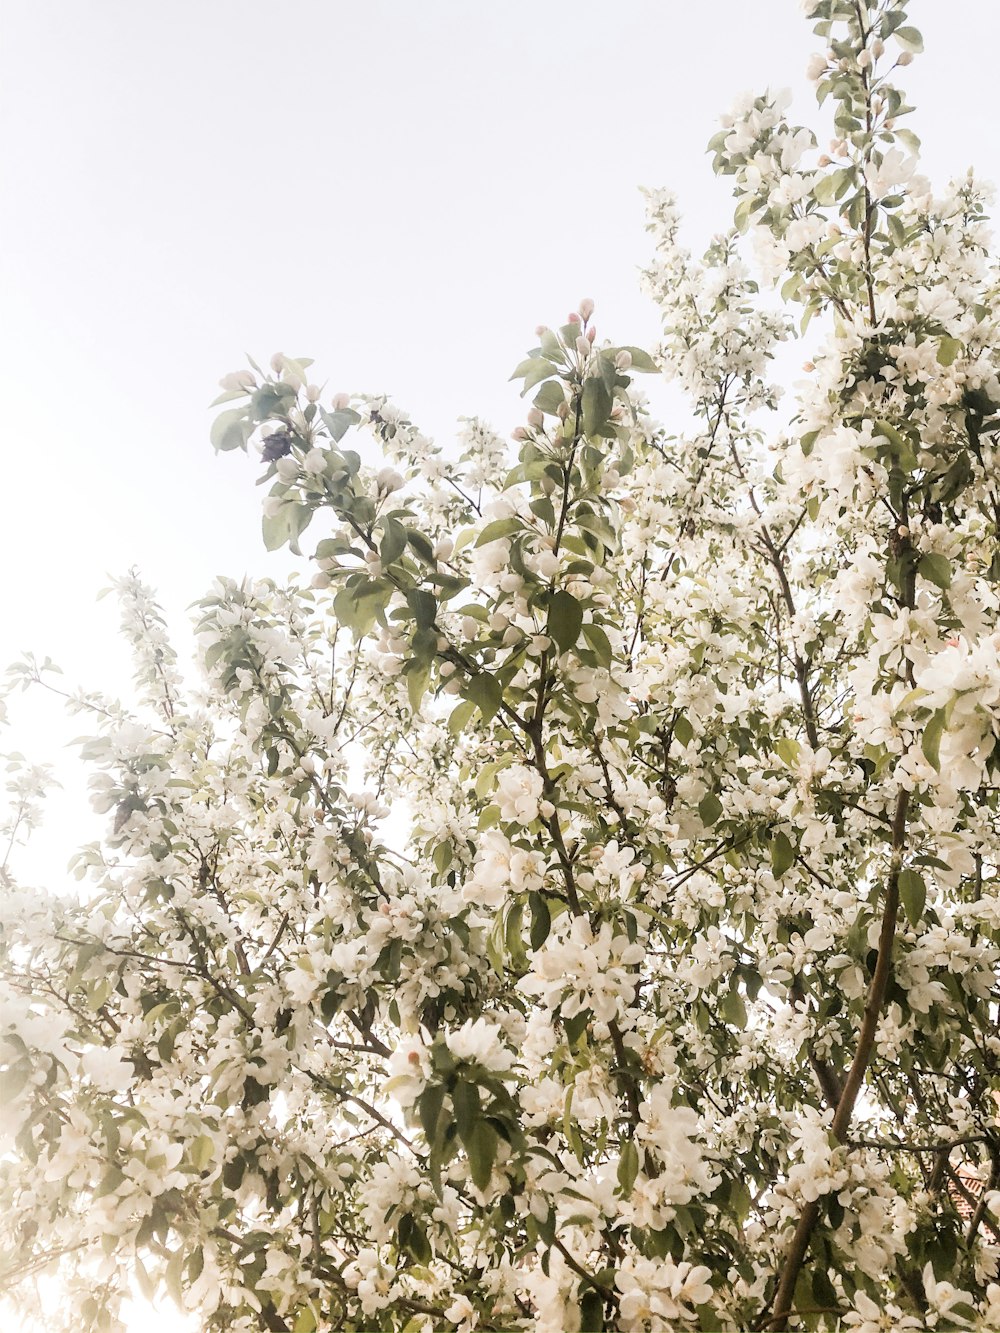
[[401, 189]]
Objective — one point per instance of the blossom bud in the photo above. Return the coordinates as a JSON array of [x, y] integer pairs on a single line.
[[905, 58], [446, 669], [878, 47], [441, 643], [498, 622], [586, 308], [238, 379], [591, 334], [470, 627], [623, 360], [824, 161], [541, 330], [511, 635], [546, 809], [320, 581], [453, 686], [272, 505], [535, 417], [443, 549], [562, 411], [313, 392], [583, 346], [389, 480], [278, 362], [287, 468], [816, 67], [864, 59], [519, 433], [340, 401], [572, 317]]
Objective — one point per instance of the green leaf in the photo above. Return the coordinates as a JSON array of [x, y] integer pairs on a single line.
[[641, 360], [423, 604], [782, 854], [202, 1151], [429, 1105], [565, 619], [910, 39], [913, 894], [550, 398], [599, 643], [628, 1167], [465, 1100], [683, 730], [499, 528], [460, 715], [534, 371], [949, 349], [275, 528], [541, 920], [417, 681], [393, 542], [935, 568], [931, 740], [481, 1146], [709, 809], [230, 430], [596, 405], [788, 751], [486, 693]]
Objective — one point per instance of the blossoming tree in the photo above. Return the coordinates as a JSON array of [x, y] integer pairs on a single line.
[[668, 998]]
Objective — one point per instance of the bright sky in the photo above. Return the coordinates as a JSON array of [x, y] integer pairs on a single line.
[[400, 190]]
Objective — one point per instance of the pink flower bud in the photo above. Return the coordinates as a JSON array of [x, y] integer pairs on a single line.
[[572, 317], [536, 417], [541, 330], [905, 58], [592, 333], [519, 433], [583, 345], [623, 360], [238, 379], [586, 308], [278, 362], [340, 401], [313, 392]]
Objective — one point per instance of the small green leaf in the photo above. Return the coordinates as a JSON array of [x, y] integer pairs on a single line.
[[641, 360], [393, 542], [628, 1167], [230, 430], [931, 740], [550, 398], [486, 692], [499, 528], [949, 350], [788, 751], [935, 568], [481, 1146], [465, 1100], [910, 39], [599, 643], [416, 686], [541, 920], [596, 405], [709, 809], [565, 619], [913, 894], [782, 854], [683, 730]]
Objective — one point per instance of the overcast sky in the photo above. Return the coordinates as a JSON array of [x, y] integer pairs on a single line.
[[401, 189]]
